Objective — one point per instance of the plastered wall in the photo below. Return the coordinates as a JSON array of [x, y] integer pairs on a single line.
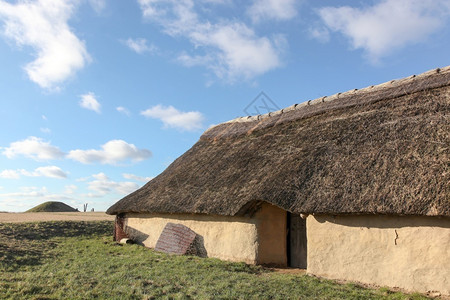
[[412, 253], [271, 226], [257, 239], [226, 238]]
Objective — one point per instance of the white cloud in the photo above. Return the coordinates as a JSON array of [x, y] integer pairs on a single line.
[[48, 171], [320, 33], [217, 1], [234, 51], [140, 45], [147, 8], [123, 110], [27, 192], [70, 189], [137, 178], [387, 25], [104, 185], [98, 5], [10, 174], [45, 130], [28, 197], [43, 25], [230, 49], [273, 10], [88, 101], [172, 117], [34, 148], [82, 179], [112, 152]]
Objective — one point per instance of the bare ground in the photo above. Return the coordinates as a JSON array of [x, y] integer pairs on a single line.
[[54, 216]]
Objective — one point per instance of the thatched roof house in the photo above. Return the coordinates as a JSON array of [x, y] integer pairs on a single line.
[[375, 160]]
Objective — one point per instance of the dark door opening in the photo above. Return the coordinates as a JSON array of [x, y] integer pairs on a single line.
[[296, 241]]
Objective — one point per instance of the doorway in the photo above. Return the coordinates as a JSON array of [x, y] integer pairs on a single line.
[[296, 241]]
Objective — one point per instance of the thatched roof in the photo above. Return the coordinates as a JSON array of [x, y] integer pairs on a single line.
[[380, 150]]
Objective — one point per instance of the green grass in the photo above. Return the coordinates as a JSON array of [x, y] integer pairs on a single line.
[[78, 260]]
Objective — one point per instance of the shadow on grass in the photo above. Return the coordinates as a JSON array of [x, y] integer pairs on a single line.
[[47, 230], [24, 244]]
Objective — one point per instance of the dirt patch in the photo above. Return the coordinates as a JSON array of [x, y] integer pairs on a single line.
[[289, 271], [54, 216]]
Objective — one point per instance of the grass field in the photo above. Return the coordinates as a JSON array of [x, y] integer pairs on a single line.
[[78, 260], [53, 216]]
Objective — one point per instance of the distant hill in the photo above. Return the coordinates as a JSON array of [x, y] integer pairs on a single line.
[[52, 206]]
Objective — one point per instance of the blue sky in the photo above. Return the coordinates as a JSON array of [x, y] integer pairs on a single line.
[[97, 97]]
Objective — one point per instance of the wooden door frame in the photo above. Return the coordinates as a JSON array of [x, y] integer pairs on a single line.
[[288, 241]]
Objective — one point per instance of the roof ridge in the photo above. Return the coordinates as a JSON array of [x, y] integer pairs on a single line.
[[337, 96]]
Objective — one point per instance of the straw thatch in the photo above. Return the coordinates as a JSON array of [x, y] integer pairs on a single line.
[[380, 150]]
